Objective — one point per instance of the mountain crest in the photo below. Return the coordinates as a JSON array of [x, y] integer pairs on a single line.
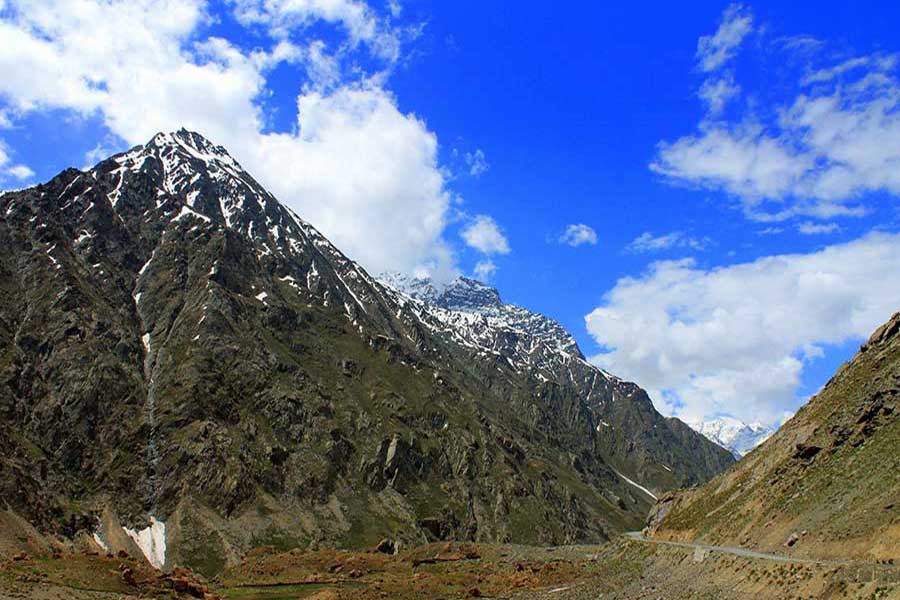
[[190, 141], [473, 314], [460, 293], [195, 178], [472, 295]]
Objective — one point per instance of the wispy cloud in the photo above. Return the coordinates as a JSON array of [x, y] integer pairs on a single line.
[[484, 270], [715, 50], [478, 164], [647, 242], [19, 172], [834, 139], [717, 92], [811, 228], [484, 235], [771, 230]]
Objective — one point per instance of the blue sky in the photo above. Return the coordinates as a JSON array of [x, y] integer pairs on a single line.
[[728, 173]]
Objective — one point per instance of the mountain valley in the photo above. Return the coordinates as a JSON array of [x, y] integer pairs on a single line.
[[201, 396], [190, 370]]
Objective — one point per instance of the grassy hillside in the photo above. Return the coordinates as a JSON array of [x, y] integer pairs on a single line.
[[827, 484]]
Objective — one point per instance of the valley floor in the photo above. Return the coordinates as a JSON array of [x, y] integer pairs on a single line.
[[624, 569]]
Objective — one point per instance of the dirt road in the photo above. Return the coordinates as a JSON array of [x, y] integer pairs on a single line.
[[636, 536]]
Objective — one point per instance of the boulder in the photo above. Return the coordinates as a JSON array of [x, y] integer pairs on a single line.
[[806, 451]]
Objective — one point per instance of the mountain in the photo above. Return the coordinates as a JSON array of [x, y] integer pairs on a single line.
[[473, 315], [654, 453], [825, 484], [734, 435], [189, 370]]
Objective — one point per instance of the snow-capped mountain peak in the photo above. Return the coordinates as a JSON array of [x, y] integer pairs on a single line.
[[192, 142], [461, 293], [471, 295], [420, 288], [733, 434], [477, 318]]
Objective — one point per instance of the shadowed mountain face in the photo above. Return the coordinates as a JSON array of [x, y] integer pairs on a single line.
[[825, 484], [189, 369]]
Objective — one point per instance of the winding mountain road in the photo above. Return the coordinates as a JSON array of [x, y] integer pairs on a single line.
[[744, 552]]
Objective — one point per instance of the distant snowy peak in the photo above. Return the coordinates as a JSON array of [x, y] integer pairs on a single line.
[[462, 293], [733, 434], [470, 295], [475, 316], [420, 288]]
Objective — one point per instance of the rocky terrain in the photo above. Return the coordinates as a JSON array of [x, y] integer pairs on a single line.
[[660, 453], [188, 370], [622, 570], [825, 485]]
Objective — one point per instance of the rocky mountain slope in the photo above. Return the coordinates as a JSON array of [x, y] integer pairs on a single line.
[[654, 452], [189, 370], [734, 435], [826, 484]]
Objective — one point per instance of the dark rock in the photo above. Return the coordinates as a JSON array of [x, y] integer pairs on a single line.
[[349, 367], [386, 546], [128, 577], [806, 452]]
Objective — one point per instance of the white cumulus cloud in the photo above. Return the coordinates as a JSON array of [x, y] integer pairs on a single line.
[[354, 164], [736, 339], [484, 235], [577, 234]]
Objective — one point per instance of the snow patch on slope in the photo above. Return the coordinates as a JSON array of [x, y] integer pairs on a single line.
[[637, 485], [152, 541], [100, 542]]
